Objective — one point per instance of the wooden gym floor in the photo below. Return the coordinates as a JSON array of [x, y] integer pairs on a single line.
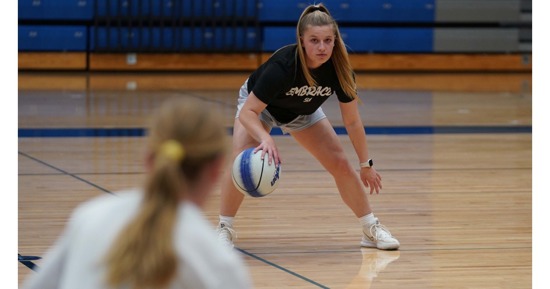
[[454, 152]]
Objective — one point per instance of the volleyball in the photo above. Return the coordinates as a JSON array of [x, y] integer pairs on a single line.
[[253, 176]]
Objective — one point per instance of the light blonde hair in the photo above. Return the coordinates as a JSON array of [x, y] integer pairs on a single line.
[[184, 136], [318, 15]]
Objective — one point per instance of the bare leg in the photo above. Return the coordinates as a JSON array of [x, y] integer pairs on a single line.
[[323, 143], [231, 199]]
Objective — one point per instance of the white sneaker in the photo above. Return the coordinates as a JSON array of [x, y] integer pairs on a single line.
[[379, 237], [226, 234]]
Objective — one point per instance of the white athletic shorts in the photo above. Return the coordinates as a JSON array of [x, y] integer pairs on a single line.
[[299, 123]]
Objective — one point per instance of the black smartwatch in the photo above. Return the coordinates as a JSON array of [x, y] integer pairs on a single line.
[[367, 164]]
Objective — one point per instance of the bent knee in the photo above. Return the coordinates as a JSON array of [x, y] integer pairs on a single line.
[[340, 166]]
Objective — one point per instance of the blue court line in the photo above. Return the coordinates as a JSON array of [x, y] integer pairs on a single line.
[[27, 261], [392, 130], [281, 268], [65, 173], [81, 132], [340, 130]]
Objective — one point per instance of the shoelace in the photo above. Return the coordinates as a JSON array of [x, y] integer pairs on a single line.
[[379, 231], [228, 233]]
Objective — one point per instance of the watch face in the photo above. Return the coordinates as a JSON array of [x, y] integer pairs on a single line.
[[370, 163]]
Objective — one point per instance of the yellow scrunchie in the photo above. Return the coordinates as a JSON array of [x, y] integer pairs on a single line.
[[172, 150]]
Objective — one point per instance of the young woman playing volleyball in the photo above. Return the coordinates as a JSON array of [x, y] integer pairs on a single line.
[[288, 91], [155, 236]]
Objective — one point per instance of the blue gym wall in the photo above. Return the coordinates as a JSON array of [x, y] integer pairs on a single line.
[[367, 26]]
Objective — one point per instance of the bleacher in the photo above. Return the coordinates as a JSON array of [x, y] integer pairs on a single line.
[[232, 35]]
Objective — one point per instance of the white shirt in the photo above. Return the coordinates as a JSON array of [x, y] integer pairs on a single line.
[[75, 261]]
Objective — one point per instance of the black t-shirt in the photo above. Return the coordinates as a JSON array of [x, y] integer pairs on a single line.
[[280, 83]]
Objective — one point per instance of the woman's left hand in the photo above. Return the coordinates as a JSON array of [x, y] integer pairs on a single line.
[[371, 179]]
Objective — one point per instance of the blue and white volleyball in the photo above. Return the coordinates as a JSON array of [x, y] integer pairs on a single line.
[[253, 176]]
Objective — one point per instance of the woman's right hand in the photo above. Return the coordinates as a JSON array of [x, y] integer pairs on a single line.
[[268, 147]]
